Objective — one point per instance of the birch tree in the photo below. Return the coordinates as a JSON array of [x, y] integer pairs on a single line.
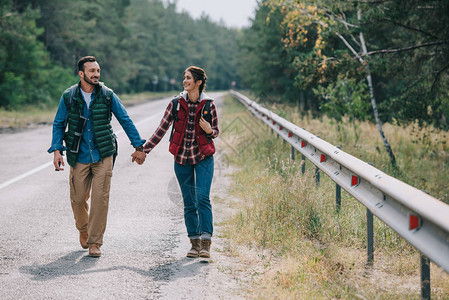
[[326, 19]]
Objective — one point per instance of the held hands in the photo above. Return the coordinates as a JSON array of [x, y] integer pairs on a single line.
[[139, 157], [205, 126]]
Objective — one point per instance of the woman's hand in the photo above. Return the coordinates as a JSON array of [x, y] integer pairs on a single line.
[[205, 126], [139, 157]]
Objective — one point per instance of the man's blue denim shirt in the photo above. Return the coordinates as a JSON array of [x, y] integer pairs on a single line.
[[88, 151]]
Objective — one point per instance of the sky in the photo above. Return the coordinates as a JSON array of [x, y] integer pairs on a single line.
[[234, 13]]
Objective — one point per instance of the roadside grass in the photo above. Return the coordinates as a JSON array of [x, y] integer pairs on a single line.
[[25, 117], [28, 116], [290, 226]]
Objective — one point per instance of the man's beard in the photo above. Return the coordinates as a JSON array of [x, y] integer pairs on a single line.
[[89, 81]]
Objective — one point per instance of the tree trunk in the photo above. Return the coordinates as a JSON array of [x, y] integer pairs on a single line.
[[370, 86], [373, 101], [303, 101]]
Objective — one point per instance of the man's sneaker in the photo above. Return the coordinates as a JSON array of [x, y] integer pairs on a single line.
[[195, 250], [205, 248], [94, 250], [83, 239]]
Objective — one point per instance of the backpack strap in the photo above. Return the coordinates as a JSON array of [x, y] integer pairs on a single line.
[[175, 108], [107, 96], [69, 100], [174, 111], [205, 112]]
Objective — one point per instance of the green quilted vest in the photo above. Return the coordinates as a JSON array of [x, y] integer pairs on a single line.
[[101, 120]]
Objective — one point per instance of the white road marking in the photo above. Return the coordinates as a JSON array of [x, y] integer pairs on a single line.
[[41, 167], [24, 175]]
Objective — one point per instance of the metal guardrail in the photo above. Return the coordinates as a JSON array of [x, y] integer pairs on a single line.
[[416, 216]]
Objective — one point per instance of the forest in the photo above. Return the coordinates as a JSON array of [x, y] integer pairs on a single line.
[[375, 60], [340, 57], [142, 45]]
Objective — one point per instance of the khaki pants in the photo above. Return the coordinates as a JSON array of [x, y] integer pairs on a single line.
[[83, 178]]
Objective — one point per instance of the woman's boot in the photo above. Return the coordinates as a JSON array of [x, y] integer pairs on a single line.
[[205, 248], [196, 247]]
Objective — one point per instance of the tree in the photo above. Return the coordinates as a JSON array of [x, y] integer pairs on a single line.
[[346, 98], [406, 51], [27, 75], [401, 55], [412, 56], [264, 63], [142, 45]]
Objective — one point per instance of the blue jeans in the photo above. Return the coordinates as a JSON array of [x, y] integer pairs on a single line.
[[195, 182]]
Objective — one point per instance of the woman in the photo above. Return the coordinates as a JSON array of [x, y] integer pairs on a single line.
[[192, 146]]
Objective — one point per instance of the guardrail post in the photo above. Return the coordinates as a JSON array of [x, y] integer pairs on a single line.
[[293, 153], [338, 197], [338, 194], [317, 176], [370, 232], [303, 164], [425, 277]]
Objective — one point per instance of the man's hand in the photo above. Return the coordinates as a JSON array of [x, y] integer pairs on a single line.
[[58, 160], [138, 156], [206, 126]]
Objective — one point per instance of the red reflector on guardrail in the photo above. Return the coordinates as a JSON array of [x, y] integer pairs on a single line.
[[323, 158], [280, 127], [303, 144], [354, 180], [289, 134], [414, 222], [274, 122]]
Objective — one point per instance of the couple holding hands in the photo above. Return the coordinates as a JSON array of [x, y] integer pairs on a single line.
[[87, 107]]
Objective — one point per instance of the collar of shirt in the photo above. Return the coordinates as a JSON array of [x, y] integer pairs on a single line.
[[190, 101]]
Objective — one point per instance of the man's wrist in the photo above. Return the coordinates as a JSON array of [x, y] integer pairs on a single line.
[[58, 152], [140, 148]]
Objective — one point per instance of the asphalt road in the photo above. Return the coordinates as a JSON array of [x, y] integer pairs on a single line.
[[145, 241]]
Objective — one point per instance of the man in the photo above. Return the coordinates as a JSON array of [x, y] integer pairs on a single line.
[[86, 108]]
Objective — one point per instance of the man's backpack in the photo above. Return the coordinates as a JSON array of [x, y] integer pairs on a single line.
[[205, 112]]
